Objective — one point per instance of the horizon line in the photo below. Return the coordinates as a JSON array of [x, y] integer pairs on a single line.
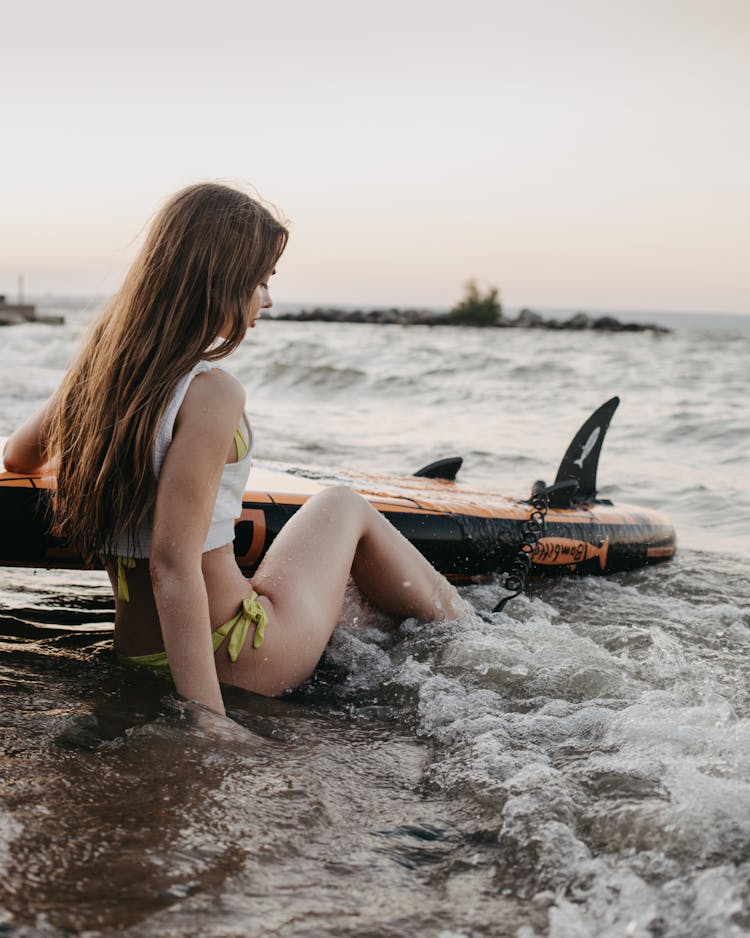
[[87, 298]]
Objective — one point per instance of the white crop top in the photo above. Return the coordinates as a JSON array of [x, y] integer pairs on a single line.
[[228, 506]]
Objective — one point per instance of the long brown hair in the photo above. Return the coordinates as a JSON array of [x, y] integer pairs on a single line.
[[206, 252]]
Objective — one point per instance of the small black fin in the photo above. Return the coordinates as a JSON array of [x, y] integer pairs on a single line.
[[581, 460], [442, 469]]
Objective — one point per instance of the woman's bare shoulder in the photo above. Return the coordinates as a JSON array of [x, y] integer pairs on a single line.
[[213, 395]]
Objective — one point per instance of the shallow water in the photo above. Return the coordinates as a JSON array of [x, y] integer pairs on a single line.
[[579, 766]]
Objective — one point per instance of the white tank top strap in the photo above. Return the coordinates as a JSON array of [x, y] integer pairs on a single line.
[[165, 430]]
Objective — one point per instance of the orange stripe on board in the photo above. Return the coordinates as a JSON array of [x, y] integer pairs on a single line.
[[258, 519], [257, 497], [18, 481], [391, 505], [661, 551]]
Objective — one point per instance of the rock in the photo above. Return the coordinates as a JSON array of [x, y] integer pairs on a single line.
[[579, 321], [528, 319], [607, 324]]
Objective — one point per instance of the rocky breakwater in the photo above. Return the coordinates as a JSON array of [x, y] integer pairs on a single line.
[[390, 317], [526, 319]]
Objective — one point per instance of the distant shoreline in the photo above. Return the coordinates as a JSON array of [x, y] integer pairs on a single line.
[[671, 319], [13, 314], [526, 319]]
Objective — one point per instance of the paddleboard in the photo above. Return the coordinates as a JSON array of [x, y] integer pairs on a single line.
[[464, 530]]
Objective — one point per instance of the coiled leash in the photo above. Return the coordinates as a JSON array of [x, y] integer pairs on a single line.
[[531, 533]]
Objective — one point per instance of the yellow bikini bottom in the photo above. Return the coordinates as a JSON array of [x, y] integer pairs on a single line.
[[237, 629]]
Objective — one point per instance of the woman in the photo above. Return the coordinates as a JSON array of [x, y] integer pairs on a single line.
[[151, 448]]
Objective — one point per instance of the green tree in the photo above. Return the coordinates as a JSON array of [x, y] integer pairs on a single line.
[[477, 308]]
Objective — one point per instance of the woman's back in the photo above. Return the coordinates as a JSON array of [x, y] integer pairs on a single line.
[[137, 629], [136, 542]]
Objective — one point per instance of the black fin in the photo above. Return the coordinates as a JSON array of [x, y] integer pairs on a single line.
[[581, 460], [442, 469]]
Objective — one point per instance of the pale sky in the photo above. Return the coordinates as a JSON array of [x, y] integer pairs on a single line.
[[586, 154]]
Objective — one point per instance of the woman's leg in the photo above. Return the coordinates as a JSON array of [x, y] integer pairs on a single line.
[[302, 579]]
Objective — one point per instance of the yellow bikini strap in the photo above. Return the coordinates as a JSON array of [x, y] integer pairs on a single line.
[[240, 444], [122, 581]]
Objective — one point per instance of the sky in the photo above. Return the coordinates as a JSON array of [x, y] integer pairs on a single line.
[[587, 154]]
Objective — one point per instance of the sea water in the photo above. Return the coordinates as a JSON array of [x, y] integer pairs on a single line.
[[577, 766]]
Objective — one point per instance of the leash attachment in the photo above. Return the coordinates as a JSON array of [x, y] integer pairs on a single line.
[[531, 533]]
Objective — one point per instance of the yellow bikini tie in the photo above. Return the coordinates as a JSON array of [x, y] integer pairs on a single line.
[[236, 628]]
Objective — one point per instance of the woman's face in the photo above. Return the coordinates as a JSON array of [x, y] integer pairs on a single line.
[[261, 299]]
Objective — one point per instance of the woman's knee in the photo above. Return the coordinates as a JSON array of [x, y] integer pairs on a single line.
[[342, 499]]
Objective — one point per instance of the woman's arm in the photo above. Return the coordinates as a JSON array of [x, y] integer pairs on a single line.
[[25, 449], [185, 500]]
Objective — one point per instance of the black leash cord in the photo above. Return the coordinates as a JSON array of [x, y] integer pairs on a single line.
[[531, 533]]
